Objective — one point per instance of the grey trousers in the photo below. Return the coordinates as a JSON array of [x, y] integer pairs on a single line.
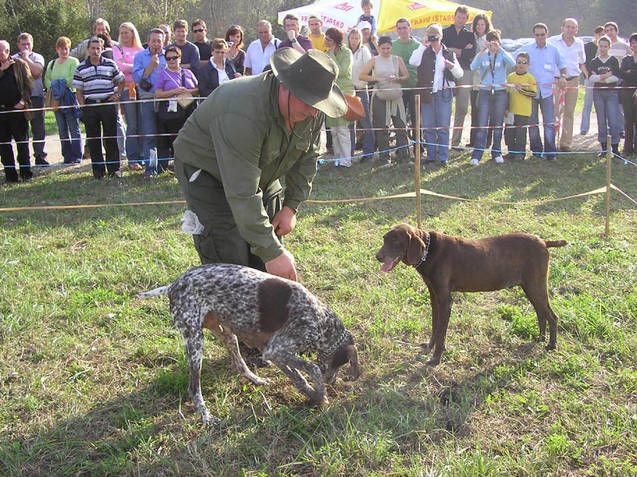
[[220, 241]]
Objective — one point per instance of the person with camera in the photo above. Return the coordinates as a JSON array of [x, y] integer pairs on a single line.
[[493, 63], [294, 39], [438, 70], [147, 66], [217, 70], [239, 142], [387, 71]]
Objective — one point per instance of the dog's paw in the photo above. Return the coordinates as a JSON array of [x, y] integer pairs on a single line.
[[258, 381], [434, 361], [209, 420]]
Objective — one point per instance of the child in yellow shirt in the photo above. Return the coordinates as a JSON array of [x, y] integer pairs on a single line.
[[523, 89]]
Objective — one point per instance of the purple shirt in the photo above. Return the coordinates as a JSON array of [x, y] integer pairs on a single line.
[[303, 41], [167, 80]]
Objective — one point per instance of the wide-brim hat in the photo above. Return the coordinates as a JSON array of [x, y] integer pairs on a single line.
[[310, 77]]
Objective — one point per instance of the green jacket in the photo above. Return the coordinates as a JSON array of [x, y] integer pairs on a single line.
[[238, 136], [404, 50]]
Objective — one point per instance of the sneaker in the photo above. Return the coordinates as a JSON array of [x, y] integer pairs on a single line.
[[474, 162], [117, 174], [40, 161], [499, 160], [345, 163]]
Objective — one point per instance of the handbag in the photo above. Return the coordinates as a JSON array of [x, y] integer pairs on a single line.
[[389, 90], [355, 108], [49, 101], [185, 105]]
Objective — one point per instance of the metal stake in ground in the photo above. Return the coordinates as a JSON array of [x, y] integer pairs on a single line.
[[417, 159], [609, 160]]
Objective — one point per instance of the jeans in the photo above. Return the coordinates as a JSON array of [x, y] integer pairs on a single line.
[[608, 117], [588, 107], [101, 127], [70, 135], [148, 127], [37, 127], [121, 134], [132, 114], [369, 143], [462, 105], [491, 109], [436, 119], [548, 118]]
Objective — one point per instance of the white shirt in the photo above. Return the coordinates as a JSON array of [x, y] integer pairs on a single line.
[[360, 59], [258, 58], [439, 69], [221, 72], [619, 49], [572, 55]]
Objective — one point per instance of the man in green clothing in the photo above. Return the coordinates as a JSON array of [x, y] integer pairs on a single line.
[[404, 46], [232, 151]]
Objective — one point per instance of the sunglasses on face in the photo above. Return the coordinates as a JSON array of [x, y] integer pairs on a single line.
[[171, 58], [433, 38], [198, 30], [522, 62]]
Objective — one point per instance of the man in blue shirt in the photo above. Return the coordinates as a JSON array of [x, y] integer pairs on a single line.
[[146, 68], [547, 66]]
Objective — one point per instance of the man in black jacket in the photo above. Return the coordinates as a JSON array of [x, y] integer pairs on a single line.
[[462, 42]]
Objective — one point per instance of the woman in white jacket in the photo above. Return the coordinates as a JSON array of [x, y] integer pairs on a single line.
[[362, 55]]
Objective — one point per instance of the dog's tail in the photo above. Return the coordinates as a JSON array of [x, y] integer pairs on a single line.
[[555, 243], [156, 292]]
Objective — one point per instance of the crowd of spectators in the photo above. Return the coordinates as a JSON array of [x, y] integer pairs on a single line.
[[134, 97]]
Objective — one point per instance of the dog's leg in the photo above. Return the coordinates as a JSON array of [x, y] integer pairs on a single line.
[[435, 311], [443, 299], [232, 344], [538, 296], [291, 365], [193, 341]]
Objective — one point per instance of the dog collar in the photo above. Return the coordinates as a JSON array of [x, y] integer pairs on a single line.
[[426, 252]]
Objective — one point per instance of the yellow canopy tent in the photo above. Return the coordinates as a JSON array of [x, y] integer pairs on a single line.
[[420, 14]]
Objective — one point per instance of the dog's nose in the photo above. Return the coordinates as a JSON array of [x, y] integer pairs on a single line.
[[379, 256]]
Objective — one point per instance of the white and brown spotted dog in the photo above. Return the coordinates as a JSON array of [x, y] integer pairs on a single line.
[[277, 316]]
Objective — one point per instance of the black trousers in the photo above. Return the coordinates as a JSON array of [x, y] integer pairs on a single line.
[[630, 119], [14, 126], [100, 121]]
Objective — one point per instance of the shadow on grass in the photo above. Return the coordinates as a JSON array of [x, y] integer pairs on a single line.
[[129, 434]]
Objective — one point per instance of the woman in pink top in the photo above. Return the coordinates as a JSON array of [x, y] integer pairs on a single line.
[[123, 55]]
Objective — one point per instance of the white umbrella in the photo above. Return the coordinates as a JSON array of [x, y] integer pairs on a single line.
[[341, 14]]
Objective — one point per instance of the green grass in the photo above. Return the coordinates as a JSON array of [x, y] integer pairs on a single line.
[[93, 381]]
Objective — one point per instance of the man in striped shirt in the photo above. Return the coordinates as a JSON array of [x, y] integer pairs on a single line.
[[99, 83]]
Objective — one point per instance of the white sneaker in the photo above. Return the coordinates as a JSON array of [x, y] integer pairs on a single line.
[[499, 160], [474, 162], [347, 163]]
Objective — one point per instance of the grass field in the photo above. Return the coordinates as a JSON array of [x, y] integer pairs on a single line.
[[93, 381]]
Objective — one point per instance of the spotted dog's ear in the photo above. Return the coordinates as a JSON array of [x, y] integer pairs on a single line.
[[415, 250]]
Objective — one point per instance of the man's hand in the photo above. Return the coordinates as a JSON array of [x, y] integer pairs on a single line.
[[282, 266], [284, 221]]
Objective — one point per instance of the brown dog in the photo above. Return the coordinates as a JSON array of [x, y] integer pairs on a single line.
[[449, 264]]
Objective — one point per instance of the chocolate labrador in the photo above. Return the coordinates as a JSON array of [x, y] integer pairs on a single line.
[[449, 264]]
